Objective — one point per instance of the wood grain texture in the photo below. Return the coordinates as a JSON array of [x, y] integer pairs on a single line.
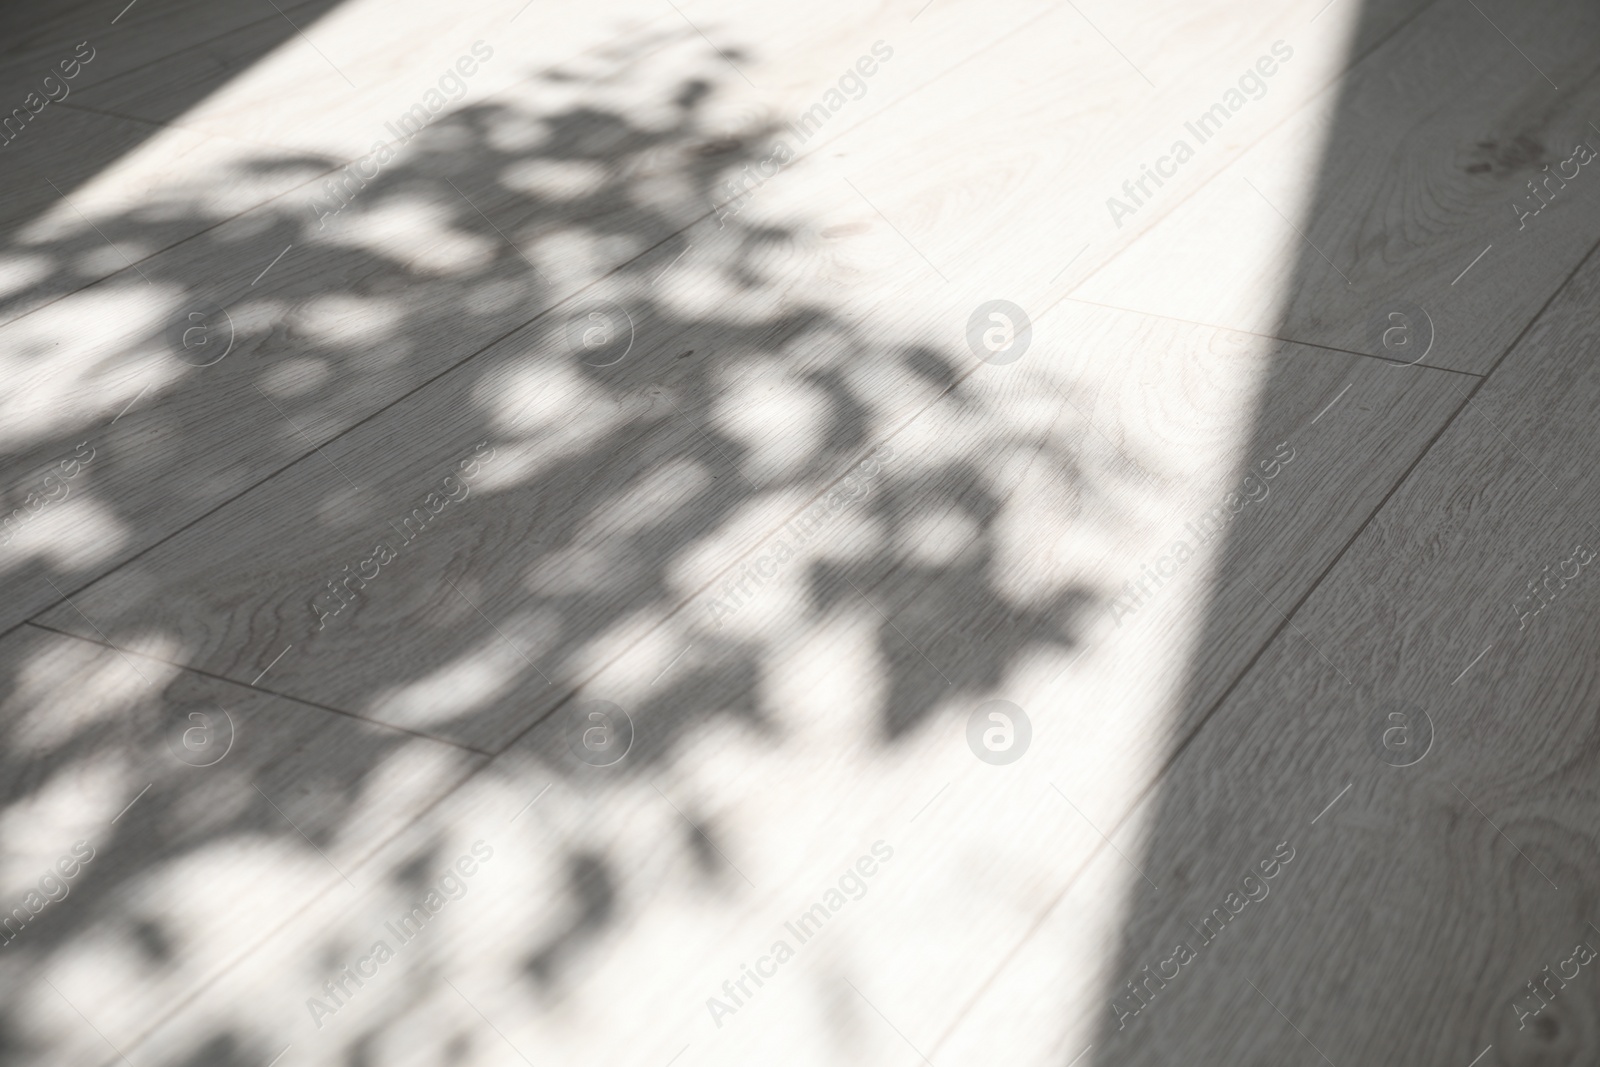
[[1431, 893], [193, 828], [346, 69], [799, 534], [610, 223], [809, 720], [137, 34], [448, 254], [1026, 215], [72, 218], [1429, 142], [566, 550]]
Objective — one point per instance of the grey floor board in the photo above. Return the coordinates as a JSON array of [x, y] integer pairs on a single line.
[[254, 241], [67, 230], [534, 312], [1431, 141], [140, 772], [941, 624], [542, 514], [48, 136], [1456, 706], [324, 333], [128, 37]]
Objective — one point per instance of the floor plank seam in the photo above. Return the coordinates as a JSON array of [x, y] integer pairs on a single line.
[[160, 124], [1270, 337], [362, 421], [243, 28], [1288, 615], [167, 124], [1311, 97], [1271, 638], [213, 676], [1177, 752], [1537, 315], [224, 969], [163, 250]]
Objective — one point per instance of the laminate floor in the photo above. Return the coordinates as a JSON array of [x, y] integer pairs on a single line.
[[734, 474]]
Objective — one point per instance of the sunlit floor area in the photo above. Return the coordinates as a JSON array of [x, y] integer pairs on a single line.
[[671, 533]]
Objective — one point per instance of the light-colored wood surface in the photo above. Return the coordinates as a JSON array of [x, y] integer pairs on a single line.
[[72, 219], [800, 532], [450, 256], [1430, 893], [330, 87], [197, 829], [1424, 150], [932, 548], [601, 515], [330, 324]]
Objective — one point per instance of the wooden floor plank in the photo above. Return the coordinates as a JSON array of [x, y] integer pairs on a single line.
[[133, 35], [625, 467], [188, 809], [938, 544], [227, 266], [329, 323], [355, 66], [1444, 868], [1429, 146], [1015, 210], [72, 218]]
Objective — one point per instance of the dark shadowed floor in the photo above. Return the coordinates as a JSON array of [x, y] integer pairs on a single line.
[[661, 533]]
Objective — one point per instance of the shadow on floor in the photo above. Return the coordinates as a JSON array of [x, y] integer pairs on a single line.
[[325, 340], [1269, 925]]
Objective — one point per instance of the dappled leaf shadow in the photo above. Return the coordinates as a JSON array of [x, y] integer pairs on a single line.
[[500, 221]]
